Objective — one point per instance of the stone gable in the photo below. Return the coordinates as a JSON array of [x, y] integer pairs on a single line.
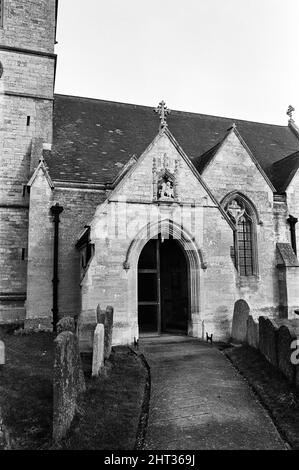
[[234, 168], [138, 184]]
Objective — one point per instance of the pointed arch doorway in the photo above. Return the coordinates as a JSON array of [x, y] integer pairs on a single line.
[[163, 288]]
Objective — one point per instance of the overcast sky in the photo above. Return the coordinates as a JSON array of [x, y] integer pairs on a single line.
[[234, 58]]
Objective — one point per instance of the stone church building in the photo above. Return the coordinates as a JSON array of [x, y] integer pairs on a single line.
[[170, 217]]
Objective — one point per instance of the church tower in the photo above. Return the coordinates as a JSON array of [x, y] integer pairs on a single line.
[[27, 74]]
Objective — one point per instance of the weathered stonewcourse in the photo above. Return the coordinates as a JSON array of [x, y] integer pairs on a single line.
[[240, 317], [252, 335], [68, 383], [267, 339]]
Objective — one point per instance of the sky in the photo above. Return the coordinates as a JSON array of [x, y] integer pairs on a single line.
[[232, 58]]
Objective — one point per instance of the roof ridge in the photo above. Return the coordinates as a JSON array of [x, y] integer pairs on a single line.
[[176, 111]]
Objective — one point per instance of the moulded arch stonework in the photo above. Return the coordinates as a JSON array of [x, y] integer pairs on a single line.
[[195, 261], [251, 208]]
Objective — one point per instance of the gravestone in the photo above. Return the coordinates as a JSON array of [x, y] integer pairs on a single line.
[[240, 317], [297, 376], [5, 440], [98, 349], [285, 337], [66, 324], [68, 382], [2, 353], [268, 340], [252, 336], [100, 315], [108, 331], [86, 332]]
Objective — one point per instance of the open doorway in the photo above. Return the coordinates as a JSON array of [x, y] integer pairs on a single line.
[[163, 300]]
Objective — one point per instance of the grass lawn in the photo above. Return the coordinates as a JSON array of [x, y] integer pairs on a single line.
[[110, 410], [26, 389], [273, 389], [108, 414]]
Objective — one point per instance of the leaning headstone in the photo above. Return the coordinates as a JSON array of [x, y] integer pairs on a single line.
[[5, 441], [66, 324], [98, 350], [68, 383], [240, 316], [252, 336], [285, 337], [2, 353], [86, 332], [108, 331], [268, 339], [100, 315]]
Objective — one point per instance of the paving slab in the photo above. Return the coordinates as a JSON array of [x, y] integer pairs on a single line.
[[199, 401]]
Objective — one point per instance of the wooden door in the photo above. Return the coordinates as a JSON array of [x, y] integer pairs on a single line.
[[162, 288]]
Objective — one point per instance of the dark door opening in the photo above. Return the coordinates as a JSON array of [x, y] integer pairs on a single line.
[[162, 288]]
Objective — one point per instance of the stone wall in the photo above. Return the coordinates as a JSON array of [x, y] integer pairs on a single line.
[[233, 169], [40, 251], [26, 105], [29, 24], [106, 278], [79, 207]]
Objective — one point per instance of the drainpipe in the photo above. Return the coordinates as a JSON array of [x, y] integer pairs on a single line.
[[55, 211], [292, 222]]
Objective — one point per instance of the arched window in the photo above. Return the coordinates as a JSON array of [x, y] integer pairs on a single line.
[[244, 251]]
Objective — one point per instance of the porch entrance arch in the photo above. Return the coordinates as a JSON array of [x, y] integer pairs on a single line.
[[190, 259], [163, 291]]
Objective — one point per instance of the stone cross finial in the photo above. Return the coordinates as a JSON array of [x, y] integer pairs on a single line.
[[163, 112], [290, 112]]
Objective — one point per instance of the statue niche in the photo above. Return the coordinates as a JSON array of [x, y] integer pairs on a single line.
[[165, 188], [165, 176]]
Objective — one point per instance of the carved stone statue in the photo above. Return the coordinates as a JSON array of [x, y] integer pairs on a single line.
[[166, 190]]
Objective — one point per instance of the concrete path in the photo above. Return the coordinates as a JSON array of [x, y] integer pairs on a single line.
[[199, 401]]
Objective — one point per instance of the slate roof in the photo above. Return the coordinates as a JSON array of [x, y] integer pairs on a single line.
[[94, 139], [284, 170]]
